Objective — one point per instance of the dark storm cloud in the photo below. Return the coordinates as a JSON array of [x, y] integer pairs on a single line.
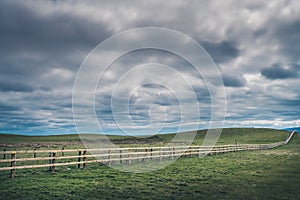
[[287, 34], [42, 44], [25, 29], [4, 107], [279, 71], [17, 87], [290, 102], [233, 81], [221, 51], [34, 42], [152, 85]]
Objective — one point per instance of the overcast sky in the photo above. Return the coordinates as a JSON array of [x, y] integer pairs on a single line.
[[255, 44]]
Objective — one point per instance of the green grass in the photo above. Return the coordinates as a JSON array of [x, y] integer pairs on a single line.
[[228, 136], [264, 174]]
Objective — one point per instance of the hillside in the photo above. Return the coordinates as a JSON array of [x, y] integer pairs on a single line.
[[260, 174], [228, 136]]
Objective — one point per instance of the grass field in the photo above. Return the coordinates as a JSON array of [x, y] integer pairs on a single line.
[[228, 136], [265, 174]]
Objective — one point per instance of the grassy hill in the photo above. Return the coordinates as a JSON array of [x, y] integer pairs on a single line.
[[263, 174], [228, 136]]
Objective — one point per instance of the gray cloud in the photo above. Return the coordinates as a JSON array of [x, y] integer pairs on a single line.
[[44, 42], [279, 71], [25, 28], [221, 51], [287, 34], [17, 87], [234, 81]]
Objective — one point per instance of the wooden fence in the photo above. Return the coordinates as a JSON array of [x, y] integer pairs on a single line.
[[109, 155]]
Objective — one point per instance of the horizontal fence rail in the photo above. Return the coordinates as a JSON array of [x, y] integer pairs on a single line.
[[109, 155]]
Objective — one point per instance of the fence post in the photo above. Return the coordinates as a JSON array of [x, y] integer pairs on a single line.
[[143, 156], [84, 159], [50, 161], [129, 157], [121, 155], [172, 152], [4, 155], [108, 157], [53, 161], [160, 152], [34, 153], [79, 159], [151, 153], [12, 164], [62, 151]]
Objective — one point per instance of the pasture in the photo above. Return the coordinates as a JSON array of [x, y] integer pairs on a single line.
[[260, 174]]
